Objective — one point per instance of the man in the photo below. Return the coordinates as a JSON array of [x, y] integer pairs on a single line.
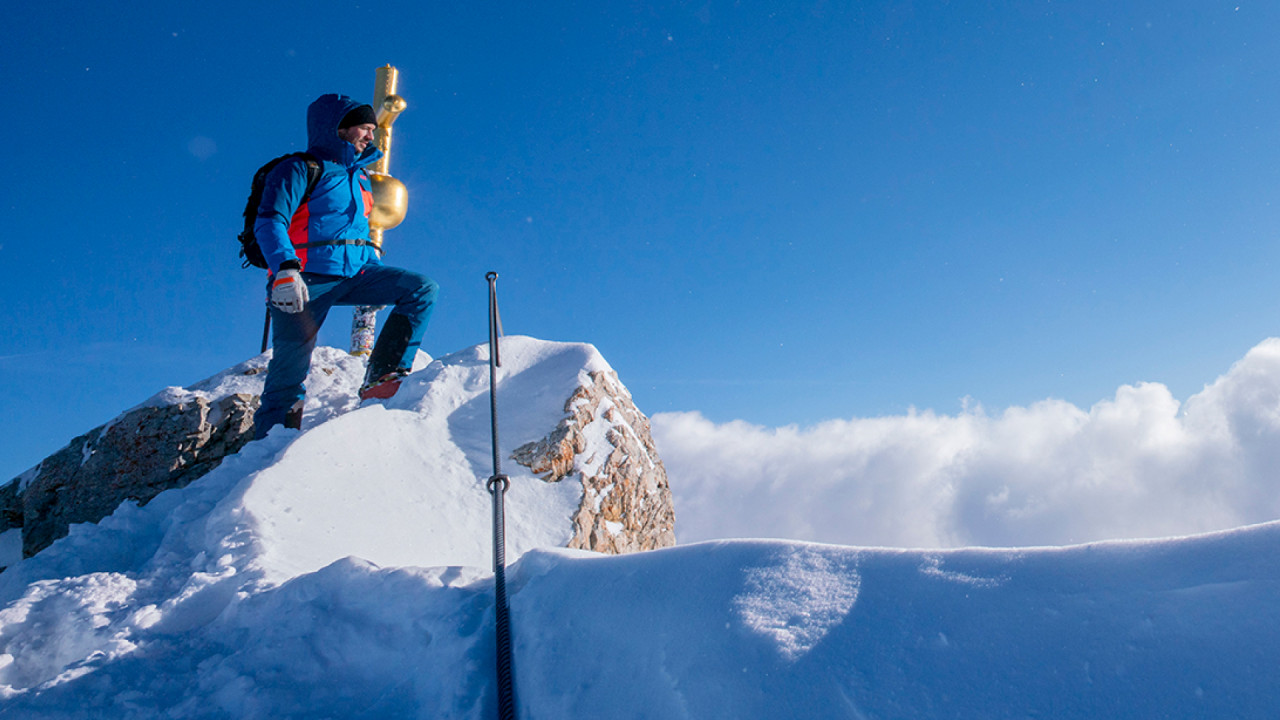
[[320, 256]]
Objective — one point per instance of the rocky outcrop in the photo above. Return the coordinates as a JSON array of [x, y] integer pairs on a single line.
[[135, 457], [605, 444], [168, 441]]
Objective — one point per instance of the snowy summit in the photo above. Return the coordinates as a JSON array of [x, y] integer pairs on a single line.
[[342, 572]]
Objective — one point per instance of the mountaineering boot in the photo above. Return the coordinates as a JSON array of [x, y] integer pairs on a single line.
[[387, 364], [383, 387], [293, 418]]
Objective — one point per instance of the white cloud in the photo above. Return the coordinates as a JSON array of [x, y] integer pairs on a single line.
[[1140, 464]]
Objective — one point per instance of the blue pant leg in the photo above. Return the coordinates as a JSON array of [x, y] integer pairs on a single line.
[[416, 304], [413, 296], [293, 337]]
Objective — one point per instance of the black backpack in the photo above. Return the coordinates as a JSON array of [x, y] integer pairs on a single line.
[[249, 249]]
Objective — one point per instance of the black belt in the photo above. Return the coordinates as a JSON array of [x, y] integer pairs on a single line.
[[324, 243]]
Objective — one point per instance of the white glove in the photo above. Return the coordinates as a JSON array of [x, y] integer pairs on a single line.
[[289, 292]]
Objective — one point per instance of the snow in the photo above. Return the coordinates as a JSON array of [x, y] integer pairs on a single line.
[[769, 629], [26, 477], [343, 572]]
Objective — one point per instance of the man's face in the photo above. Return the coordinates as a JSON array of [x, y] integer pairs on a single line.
[[358, 135]]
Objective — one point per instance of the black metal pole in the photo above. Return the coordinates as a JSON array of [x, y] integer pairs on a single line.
[[497, 486], [266, 331]]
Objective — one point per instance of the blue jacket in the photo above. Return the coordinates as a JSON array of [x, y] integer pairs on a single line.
[[322, 235]]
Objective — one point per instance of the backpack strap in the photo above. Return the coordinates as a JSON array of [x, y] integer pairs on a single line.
[[314, 170]]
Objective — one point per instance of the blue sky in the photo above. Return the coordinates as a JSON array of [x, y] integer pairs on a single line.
[[776, 212]]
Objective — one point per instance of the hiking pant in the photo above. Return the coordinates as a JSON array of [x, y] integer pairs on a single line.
[[293, 335]]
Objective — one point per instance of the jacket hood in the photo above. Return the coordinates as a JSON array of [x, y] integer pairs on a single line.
[[323, 117]]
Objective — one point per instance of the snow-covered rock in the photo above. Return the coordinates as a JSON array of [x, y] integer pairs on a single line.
[[604, 443], [139, 455], [168, 441], [618, 502]]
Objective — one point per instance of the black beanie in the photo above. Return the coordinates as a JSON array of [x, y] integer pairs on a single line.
[[359, 115]]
